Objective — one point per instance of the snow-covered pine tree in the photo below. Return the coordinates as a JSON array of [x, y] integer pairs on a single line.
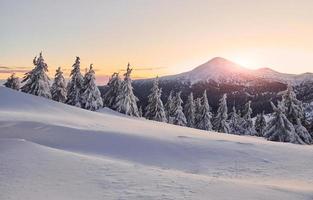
[[303, 133], [58, 88], [179, 116], [13, 82], [169, 105], [235, 122], [247, 121], [140, 111], [311, 128], [189, 111], [295, 114], [294, 107], [198, 107], [37, 81], [260, 124], [280, 128], [155, 109], [205, 116], [126, 101], [90, 95], [220, 121], [75, 85], [114, 84]]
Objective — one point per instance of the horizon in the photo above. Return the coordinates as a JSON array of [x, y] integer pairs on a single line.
[[157, 37], [6, 71]]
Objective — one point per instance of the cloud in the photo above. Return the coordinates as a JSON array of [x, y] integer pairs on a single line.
[[146, 68], [10, 70]]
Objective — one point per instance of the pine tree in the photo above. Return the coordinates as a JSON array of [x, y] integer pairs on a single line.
[[169, 105], [311, 129], [303, 133], [247, 124], [295, 114], [179, 116], [260, 124], [198, 108], [13, 82], [294, 107], [140, 111], [155, 108], [37, 81], [189, 110], [58, 89], [75, 85], [126, 101], [235, 122], [280, 128], [90, 95], [114, 84], [220, 122], [205, 116]]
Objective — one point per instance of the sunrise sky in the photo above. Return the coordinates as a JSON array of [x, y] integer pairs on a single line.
[[157, 37]]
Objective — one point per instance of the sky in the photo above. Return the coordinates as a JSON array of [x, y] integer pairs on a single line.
[[157, 37]]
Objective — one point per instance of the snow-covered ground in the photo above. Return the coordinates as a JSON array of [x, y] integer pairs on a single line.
[[49, 150]]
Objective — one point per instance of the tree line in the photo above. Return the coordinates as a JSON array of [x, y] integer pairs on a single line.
[[287, 123]]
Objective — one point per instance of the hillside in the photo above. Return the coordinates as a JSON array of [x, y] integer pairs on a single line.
[[221, 70], [219, 76], [50, 150]]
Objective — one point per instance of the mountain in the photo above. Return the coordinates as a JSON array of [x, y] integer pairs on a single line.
[[219, 76], [222, 70], [50, 150]]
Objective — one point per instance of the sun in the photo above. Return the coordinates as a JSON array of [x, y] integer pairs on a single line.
[[246, 60]]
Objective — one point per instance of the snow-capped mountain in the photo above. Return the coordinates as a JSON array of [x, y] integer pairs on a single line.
[[222, 70], [219, 76]]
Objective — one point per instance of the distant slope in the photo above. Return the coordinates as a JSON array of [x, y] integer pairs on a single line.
[[222, 70], [70, 153]]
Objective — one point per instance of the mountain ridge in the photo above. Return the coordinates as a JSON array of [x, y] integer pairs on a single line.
[[220, 69]]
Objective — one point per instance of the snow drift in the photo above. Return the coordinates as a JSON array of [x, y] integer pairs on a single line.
[[54, 151]]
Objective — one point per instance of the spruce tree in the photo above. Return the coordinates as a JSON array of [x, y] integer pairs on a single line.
[[294, 107], [303, 133], [235, 122], [58, 89], [109, 97], [260, 124], [90, 95], [198, 108], [75, 85], [140, 111], [126, 101], [155, 108], [169, 106], [179, 116], [37, 81], [247, 124], [204, 121], [220, 122], [189, 110], [280, 128], [295, 114], [13, 82]]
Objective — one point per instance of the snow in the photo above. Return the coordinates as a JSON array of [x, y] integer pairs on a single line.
[[49, 150], [222, 70]]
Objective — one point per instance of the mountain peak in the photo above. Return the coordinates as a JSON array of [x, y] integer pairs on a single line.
[[218, 60]]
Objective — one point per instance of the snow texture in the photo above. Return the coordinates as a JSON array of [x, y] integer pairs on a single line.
[[49, 150]]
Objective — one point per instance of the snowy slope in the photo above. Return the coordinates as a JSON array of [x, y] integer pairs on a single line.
[[222, 70], [50, 150]]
